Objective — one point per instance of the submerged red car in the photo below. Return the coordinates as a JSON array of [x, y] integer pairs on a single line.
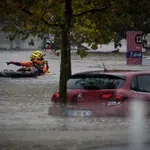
[[108, 93]]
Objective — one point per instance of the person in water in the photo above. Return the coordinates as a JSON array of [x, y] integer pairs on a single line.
[[41, 58], [39, 54], [36, 63]]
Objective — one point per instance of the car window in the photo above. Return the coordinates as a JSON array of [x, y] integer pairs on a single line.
[[134, 84], [144, 83], [95, 82]]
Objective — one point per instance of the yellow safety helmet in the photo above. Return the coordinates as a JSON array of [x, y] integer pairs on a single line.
[[34, 56], [38, 53]]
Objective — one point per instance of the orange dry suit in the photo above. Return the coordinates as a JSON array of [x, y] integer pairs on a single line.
[[41, 66]]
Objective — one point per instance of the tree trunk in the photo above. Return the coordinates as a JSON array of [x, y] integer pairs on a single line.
[[69, 61], [64, 52], [63, 66]]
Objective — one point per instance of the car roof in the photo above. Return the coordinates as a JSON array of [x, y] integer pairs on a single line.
[[113, 72]]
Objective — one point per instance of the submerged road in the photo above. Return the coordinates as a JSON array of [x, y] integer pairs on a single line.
[[24, 103]]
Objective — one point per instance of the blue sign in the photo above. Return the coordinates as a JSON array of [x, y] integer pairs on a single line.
[[134, 54]]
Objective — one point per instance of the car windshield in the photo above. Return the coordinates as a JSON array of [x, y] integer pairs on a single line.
[[96, 82]]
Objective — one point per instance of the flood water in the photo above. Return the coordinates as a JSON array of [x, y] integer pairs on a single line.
[[24, 103]]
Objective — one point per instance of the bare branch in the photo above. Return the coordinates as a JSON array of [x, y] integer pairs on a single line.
[[51, 25], [42, 19], [27, 11], [91, 11], [45, 9]]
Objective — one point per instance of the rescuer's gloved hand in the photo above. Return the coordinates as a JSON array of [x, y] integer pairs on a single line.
[[8, 63]]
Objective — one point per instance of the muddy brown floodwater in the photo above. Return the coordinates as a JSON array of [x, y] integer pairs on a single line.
[[24, 103]]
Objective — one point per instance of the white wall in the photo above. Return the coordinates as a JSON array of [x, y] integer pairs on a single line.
[[22, 44], [4, 43], [148, 39]]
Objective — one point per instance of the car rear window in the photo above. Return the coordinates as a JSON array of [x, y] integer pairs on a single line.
[[96, 82]]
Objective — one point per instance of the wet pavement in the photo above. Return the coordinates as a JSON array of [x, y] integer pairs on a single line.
[[24, 103]]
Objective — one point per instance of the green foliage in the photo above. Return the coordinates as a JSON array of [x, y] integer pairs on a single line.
[[82, 52], [24, 17], [133, 16], [94, 46]]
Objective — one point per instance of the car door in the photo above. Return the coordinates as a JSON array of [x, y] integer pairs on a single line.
[[143, 82], [141, 87]]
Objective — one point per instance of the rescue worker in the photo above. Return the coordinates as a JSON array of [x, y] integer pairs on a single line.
[[41, 66], [39, 54], [41, 58]]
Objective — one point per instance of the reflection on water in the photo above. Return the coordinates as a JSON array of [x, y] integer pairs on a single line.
[[137, 128]]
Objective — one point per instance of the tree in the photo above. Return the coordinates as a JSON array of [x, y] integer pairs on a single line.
[[90, 21], [38, 16]]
